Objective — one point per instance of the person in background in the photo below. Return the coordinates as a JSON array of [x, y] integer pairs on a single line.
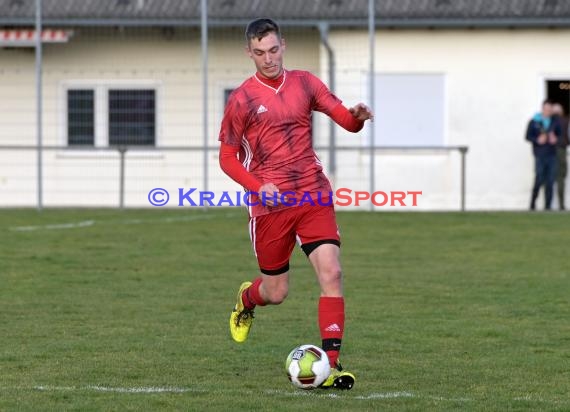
[[544, 134], [561, 156]]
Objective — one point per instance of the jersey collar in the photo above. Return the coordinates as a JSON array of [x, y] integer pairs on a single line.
[[271, 83]]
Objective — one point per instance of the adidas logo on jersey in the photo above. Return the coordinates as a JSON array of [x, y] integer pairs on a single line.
[[333, 328], [261, 109]]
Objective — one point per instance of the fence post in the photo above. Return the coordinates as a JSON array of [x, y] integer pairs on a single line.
[[463, 151], [372, 85], [39, 103], [204, 45], [122, 150]]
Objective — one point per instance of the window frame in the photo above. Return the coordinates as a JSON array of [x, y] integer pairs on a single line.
[[101, 88]]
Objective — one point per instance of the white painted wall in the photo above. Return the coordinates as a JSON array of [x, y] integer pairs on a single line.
[[495, 83], [101, 58]]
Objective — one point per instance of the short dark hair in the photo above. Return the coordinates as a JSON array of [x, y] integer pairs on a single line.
[[259, 28], [547, 101]]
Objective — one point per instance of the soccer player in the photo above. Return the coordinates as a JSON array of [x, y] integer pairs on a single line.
[[266, 147]]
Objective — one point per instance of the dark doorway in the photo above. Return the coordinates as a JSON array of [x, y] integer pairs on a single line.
[[559, 91]]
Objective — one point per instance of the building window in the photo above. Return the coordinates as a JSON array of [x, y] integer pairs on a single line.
[[227, 93], [80, 117], [132, 117], [105, 114]]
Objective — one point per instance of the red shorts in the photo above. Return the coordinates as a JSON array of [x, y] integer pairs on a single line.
[[273, 235]]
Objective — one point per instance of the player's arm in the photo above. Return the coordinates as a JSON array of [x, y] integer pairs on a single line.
[[234, 169], [231, 134], [326, 102], [351, 119], [232, 130]]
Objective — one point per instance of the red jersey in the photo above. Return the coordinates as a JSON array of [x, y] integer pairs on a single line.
[[272, 127]]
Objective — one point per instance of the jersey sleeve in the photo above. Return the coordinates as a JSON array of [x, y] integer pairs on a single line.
[[324, 100], [234, 122], [342, 116], [234, 169]]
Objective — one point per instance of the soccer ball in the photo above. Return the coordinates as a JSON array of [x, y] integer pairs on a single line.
[[307, 366]]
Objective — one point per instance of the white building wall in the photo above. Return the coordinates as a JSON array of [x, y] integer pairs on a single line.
[[495, 83], [100, 58]]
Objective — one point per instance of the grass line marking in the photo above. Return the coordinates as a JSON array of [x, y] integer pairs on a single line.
[[276, 392], [85, 223], [88, 223], [387, 395], [97, 388]]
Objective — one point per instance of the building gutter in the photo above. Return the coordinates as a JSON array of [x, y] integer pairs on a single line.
[[393, 23]]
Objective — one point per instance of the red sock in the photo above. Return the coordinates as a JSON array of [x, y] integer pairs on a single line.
[[331, 324], [251, 296]]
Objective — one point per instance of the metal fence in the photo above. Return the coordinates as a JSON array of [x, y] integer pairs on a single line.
[[99, 114], [123, 176]]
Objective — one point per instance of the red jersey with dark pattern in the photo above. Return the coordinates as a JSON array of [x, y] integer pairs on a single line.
[[273, 128]]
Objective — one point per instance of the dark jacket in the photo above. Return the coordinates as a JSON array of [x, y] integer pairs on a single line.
[[563, 124], [538, 125]]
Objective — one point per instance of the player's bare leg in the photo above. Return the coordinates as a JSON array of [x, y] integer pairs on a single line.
[[326, 262], [265, 290], [274, 288]]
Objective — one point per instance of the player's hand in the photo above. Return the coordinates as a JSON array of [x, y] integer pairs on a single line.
[[269, 195], [542, 138], [362, 112]]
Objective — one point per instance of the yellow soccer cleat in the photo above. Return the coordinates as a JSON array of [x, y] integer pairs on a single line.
[[339, 379], [241, 318]]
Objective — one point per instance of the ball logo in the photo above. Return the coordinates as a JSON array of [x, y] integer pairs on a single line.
[[298, 354], [307, 366]]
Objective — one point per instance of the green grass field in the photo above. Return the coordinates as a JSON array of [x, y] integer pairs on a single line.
[[128, 310]]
